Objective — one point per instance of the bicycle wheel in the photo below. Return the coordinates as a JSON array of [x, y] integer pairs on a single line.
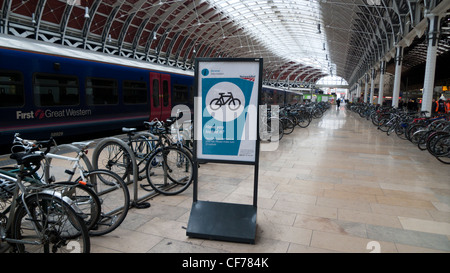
[[288, 125], [215, 104], [444, 149], [114, 197], [439, 144], [400, 130], [51, 227], [422, 143], [234, 104], [384, 125], [142, 146], [169, 170], [84, 200], [303, 120], [113, 157]]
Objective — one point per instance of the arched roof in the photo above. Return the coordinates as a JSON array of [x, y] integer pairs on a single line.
[[300, 41]]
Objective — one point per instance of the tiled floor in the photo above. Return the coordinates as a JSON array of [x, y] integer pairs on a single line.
[[337, 186]]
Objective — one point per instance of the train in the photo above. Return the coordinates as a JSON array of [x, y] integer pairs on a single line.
[[49, 90]]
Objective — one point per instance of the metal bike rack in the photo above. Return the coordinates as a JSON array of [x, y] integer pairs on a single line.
[[135, 200]]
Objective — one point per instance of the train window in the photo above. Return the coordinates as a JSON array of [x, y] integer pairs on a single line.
[[101, 91], [180, 94], [55, 90], [155, 93], [134, 92], [11, 89], [165, 93]]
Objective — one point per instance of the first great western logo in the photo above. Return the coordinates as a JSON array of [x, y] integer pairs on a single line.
[[41, 114]]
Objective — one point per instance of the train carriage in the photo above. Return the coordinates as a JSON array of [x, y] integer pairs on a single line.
[[49, 90]]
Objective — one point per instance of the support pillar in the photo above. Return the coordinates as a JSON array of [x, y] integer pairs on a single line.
[[366, 88], [398, 76], [428, 84], [372, 86], [380, 89]]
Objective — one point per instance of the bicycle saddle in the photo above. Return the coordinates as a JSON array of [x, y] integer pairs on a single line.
[[128, 130], [24, 158], [83, 145], [150, 123]]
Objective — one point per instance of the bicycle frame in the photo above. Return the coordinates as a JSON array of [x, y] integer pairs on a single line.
[[76, 165], [12, 209]]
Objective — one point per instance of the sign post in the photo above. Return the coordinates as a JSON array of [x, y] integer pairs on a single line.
[[226, 132]]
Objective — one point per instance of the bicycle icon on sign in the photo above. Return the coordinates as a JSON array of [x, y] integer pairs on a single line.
[[224, 99]]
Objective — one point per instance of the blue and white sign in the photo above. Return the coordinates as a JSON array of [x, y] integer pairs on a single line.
[[226, 110]]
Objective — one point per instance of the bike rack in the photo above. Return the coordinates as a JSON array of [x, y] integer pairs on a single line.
[[135, 201]]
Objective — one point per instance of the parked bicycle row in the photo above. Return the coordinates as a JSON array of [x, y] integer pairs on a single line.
[[288, 117], [427, 133], [95, 192], [44, 208]]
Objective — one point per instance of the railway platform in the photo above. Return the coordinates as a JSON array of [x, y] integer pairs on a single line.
[[338, 185]]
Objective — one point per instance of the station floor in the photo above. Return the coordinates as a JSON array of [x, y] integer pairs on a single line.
[[337, 186]]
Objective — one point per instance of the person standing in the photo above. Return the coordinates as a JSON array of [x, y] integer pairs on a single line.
[[440, 109], [433, 107]]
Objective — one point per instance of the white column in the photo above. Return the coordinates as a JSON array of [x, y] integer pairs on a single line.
[[372, 86], [358, 91], [428, 84], [398, 76], [380, 89], [366, 88]]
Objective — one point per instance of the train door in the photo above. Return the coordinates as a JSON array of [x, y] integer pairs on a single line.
[[161, 103]]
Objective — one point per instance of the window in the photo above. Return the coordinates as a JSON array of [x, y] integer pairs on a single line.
[[134, 92], [165, 93], [180, 94], [11, 89], [101, 91], [155, 93], [55, 90]]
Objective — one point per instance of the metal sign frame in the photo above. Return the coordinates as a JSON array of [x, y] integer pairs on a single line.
[[222, 85]]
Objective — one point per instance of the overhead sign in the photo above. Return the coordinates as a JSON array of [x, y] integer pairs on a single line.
[[227, 109]]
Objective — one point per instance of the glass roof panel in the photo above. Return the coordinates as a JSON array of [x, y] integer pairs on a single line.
[[289, 29]]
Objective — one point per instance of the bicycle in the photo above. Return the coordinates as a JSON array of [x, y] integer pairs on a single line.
[[145, 146], [112, 156], [169, 168], [109, 204], [233, 103], [37, 218]]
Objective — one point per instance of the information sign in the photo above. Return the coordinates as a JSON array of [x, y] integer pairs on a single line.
[[227, 109]]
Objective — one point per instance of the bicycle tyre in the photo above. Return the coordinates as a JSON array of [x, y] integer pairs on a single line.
[[234, 104], [216, 104], [65, 230], [175, 159], [288, 125], [113, 157], [304, 120], [438, 144], [114, 197], [86, 201]]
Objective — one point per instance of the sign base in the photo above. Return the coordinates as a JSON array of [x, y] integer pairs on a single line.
[[222, 221]]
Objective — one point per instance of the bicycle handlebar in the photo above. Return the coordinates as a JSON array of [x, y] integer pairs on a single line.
[[34, 145]]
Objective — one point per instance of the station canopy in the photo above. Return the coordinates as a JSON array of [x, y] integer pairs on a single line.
[[301, 41]]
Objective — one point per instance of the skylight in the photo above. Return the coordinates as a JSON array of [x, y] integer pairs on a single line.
[[290, 29]]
